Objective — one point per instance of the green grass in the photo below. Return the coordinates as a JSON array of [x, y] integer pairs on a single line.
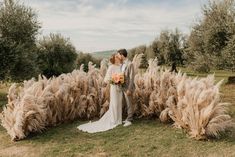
[[219, 74], [143, 138], [146, 137]]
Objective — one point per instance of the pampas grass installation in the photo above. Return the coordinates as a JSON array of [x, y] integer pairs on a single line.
[[48, 102], [190, 104]]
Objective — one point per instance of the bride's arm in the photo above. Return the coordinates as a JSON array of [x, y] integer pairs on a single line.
[[108, 75]]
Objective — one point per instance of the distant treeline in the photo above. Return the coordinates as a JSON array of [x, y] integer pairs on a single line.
[[210, 44]]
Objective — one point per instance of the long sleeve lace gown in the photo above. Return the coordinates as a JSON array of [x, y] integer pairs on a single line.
[[113, 117]]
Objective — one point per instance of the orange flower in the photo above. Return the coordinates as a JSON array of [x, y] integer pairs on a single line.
[[118, 78], [115, 78], [122, 80]]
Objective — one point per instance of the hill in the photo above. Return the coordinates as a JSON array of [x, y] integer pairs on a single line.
[[103, 54]]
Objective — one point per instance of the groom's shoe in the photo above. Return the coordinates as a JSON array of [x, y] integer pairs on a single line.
[[127, 123]]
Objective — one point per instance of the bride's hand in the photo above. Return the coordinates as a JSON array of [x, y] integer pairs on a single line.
[[128, 93]]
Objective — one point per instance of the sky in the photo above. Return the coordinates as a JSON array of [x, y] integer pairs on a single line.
[[97, 25]]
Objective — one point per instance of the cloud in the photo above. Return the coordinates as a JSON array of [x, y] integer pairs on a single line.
[[96, 25]]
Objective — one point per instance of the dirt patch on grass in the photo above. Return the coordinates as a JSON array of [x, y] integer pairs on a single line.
[[19, 151], [99, 155]]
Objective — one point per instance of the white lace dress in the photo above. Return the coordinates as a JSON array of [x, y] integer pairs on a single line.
[[113, 117]]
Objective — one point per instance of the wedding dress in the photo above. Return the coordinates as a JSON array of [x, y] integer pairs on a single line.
[[113, 117]]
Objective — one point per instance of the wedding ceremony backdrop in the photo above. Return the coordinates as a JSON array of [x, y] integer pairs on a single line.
[[191, 104]]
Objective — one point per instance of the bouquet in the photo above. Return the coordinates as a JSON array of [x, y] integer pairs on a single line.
[[118, 79]]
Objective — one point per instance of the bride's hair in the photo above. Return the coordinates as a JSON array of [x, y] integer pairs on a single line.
[[112, 59]]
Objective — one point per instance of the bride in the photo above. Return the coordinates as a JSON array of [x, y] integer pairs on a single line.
[[113, 117]]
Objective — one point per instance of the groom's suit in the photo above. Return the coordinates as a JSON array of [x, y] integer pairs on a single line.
[[128, 70]]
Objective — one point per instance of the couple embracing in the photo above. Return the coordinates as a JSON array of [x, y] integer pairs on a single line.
[[120, 75]]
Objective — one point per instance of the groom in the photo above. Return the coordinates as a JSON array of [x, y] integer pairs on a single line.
[[129, 86]]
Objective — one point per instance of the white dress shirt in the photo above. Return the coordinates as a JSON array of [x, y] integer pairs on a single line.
[[123, 67]]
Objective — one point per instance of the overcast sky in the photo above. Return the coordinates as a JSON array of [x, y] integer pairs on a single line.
[[95, 25]]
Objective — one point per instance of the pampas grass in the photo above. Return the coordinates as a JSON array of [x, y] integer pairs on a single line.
[[48, 102], [190, 104]]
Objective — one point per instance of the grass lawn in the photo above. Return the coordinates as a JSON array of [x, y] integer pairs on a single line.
[[146, 137]]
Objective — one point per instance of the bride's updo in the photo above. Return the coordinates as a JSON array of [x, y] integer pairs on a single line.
[[112, 59]]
